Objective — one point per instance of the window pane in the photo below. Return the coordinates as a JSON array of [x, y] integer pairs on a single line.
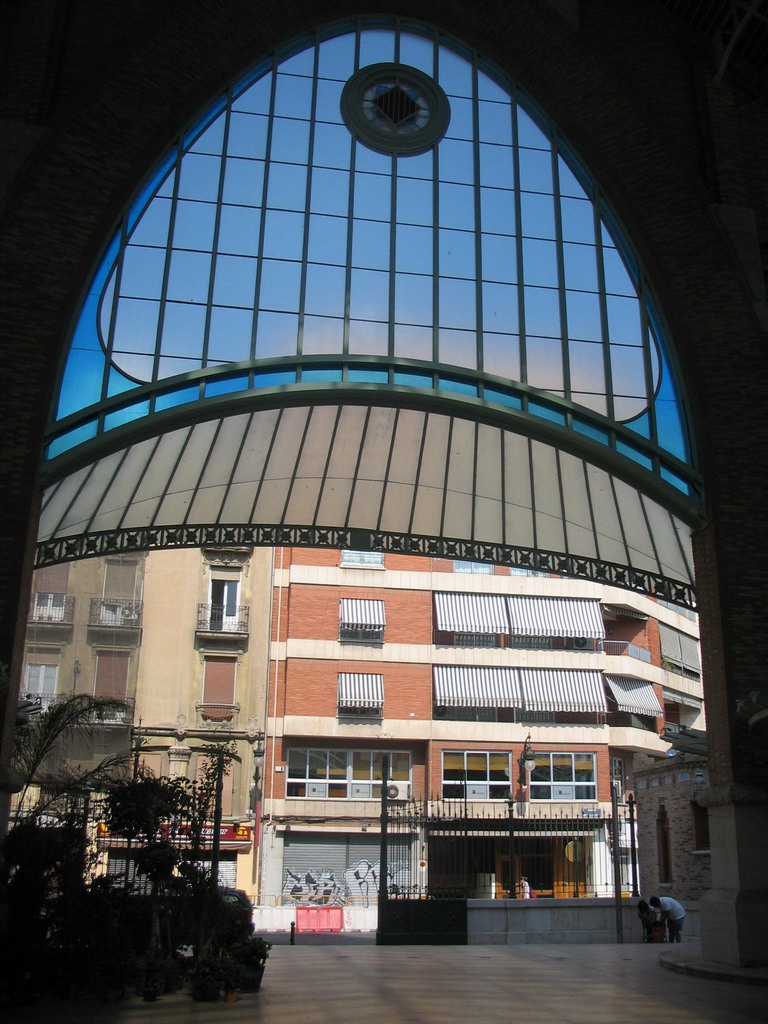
[[280, 285], [327, 239], [457, 253], [230, 334], [317, 767], [453, 765], [477, 767], [287, 189], [297, 764], [361, 764], [337, 764], [562, 768], [414, 249], [247, 136]]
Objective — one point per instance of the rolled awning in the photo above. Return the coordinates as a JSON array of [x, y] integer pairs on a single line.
[[562, 690], [555, 616], [634, 695], [361, 690], [471, 613], [675, 697], [358, 614], [462, 686], [679, 648]]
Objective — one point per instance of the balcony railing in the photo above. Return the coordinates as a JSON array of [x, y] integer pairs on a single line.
[[47, 607], [119, 716], [216, 618], [115, 612], [212, 716], [619, 648]]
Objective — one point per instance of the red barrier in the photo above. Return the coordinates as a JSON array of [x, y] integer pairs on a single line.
[[319, 919]]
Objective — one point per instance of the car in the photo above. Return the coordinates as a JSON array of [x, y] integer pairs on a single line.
[[237, 897]]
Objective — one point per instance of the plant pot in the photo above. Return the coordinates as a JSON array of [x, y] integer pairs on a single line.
[[231, 995], [252, 978], [205, 990]]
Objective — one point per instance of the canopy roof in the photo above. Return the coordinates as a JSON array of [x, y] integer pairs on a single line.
[[332, 318]]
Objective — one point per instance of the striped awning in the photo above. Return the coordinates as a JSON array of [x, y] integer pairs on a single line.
[[555, 616], [359, 614], [679, 647], [464, 686], [634, 695], [361, 690], [471, 613], [562, 690]]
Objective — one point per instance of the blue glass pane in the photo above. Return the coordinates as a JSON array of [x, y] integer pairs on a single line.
[[414, 201], [213, 388], [457, 208], [329, 192], [239, 230], [677, 481], [499, 257], [290, 140], [293, 96], [247, 136], [193, 225], [591, 430], [414, 299], [414, 249], [457, 254], [635, 454], [229, 335], [641, 426], [414, 380], [497, 211], [371, 245], [183, 330], [332, 146], [280, 285], [82, 381], [456, 161], [172, 399], [546, 412], [243, 182], [277, 335], [66, 442], [366, 376], [460, 387], [287, 187], [319, 375], [128, 415], [272, 380], [328, 239], [336, 57], [503, 398]]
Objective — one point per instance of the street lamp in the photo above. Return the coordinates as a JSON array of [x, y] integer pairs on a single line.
[[526, 762]]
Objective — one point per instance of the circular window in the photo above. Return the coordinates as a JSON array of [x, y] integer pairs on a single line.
[[393, 108]]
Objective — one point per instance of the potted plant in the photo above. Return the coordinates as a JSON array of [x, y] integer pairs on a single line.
[[252, 954], [231, 978], [205, 979]]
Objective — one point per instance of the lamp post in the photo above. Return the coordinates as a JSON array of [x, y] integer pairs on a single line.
[[258, 761], [525, 763], [632, 841]]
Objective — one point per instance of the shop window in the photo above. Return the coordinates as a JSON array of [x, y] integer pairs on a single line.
[[563, 777], [476, 775]]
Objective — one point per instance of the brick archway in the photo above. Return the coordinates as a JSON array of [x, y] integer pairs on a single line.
[[678, 160]]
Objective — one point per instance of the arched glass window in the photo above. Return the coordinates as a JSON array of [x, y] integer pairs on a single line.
[[376, 206]]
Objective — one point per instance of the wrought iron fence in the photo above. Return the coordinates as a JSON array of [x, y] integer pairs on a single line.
[[451, 849]]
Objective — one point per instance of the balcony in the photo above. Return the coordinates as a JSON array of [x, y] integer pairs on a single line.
[[120, 716], [217, 716], [625, 649], [216, 618], [110, 615], [52, 616]]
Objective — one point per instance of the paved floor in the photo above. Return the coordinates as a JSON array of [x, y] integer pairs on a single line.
[[361, 983]]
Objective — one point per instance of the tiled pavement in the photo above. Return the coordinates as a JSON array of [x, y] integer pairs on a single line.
[[357, 982]]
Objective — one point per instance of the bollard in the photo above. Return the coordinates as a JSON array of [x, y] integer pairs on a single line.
[[293, 933]]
